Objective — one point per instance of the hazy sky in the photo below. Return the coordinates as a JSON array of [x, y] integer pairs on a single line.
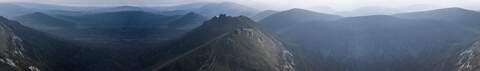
[[282, 4]]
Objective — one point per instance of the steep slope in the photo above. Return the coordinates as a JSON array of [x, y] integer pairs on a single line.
[[39, 51], [468, 60], [377, 43], [187, 22], [12, 56], [421, 45], [226, 43], [294, 17]]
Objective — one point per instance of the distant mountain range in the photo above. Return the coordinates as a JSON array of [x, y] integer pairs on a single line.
[[13, 10], [263, 14], [193, 37], [205, 9], [284, 19]]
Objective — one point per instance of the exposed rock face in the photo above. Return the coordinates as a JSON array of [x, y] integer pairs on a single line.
[[26, 49], [227, 44], [469, 60], [12, 56]]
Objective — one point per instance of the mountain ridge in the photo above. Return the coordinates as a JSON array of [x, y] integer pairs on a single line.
[[238, 38]]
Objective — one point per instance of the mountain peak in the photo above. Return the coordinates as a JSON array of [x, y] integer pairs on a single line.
[[305, 12], [453, 9], [448, 14], [299, 10], [223, 24], [269, 11], [443, 11], [225, 19], [38, 15], [233, 42], [35, 15]]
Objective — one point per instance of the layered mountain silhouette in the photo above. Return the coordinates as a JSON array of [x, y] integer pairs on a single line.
[[192, 37], [263, 14], [226, 43], [107, 38], [11, 10], [40, 20], [213, 9], [291, 17], [123, 8], [188, 21], [371, 10], [446, 14], [226, 8], [205, 9], [129, 23], [452, 15]]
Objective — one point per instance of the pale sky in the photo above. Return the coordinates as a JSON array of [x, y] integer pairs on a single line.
[[281, 4]]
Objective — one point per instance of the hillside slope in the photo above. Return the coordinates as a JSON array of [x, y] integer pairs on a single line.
[[227, 43]]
